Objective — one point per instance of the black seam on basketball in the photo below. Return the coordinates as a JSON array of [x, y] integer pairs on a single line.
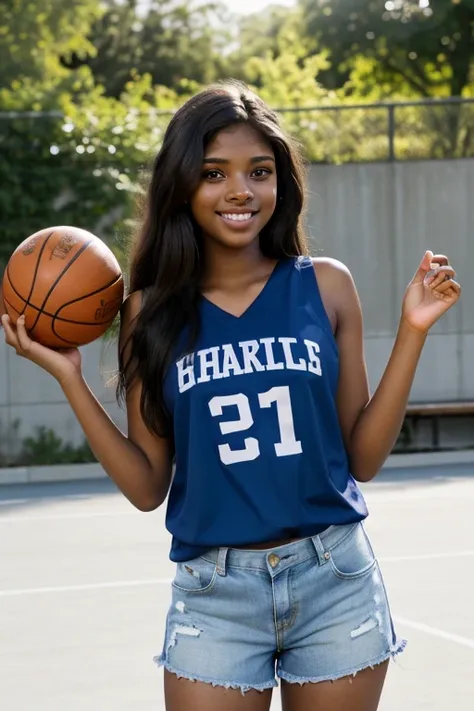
[[7, 274], [71, 343], [11, 305], [86, 296], [58, 279], [68, 343], [58, 318], [35, 273], [78, 323]]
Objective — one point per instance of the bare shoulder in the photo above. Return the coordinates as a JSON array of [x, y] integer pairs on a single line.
[[336, 287], [329, 269]]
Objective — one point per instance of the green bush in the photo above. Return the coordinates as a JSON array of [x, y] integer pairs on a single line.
[[43, 448]]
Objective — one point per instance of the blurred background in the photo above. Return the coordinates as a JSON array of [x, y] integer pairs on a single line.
[[379, 93]]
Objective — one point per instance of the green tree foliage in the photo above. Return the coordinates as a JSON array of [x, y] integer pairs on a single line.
[[268, 32], [424, 46], [82, 167], [83, 164], [34, 34], [175, 40]]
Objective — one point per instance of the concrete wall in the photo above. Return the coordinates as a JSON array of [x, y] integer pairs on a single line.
[[32, 397], [378, 219]]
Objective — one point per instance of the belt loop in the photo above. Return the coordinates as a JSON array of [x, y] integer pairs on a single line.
[[322, 553], [222, 561]]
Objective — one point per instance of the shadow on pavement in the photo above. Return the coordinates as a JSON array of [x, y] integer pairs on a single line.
[[433, 474], [16, 497]]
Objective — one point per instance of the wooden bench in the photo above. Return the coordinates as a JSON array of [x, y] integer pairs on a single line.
[[435, 411]]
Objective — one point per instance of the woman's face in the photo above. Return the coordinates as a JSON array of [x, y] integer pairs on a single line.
[[238, 190]]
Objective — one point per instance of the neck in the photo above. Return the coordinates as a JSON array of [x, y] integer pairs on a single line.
[[229, 267]]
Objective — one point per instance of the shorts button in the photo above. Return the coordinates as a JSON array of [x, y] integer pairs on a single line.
[[327, 555], [273, 560]]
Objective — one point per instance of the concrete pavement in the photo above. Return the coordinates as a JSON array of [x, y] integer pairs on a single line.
[[84, 590]]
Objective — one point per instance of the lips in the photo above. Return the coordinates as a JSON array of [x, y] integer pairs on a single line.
[[237, 219]]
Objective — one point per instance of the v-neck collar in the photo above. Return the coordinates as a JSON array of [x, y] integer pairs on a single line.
[[256, 300]]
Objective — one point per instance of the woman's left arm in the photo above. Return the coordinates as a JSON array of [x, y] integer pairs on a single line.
[[371, 425]]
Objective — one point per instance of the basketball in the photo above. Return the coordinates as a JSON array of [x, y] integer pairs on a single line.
[[68, 285]]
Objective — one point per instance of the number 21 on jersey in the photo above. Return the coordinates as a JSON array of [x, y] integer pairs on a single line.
[[280, 396]]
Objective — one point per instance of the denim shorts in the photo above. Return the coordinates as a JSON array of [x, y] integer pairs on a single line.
[[308, 611]]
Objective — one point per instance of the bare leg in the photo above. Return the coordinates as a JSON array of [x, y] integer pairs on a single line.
[[184, 695], [355, 693]]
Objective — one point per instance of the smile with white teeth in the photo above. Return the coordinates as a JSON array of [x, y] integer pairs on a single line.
[[236, 217]]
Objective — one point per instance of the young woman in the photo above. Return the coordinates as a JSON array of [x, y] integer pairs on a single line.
[[242, 362]]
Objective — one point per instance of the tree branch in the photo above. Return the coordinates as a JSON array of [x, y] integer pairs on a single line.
[[421, 88]]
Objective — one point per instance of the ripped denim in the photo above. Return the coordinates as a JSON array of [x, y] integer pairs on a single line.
[[309, 611]]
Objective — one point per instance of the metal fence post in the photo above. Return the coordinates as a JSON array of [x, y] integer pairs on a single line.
[[391, 132]]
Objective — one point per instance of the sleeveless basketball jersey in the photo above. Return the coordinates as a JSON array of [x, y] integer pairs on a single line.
[[259, 450]]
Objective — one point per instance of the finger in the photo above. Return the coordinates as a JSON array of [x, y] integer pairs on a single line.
[[23, 338], [444, 287], [456, 288], [424, 266], [452, 292], [439, 275], [440, 259], [10, 333]]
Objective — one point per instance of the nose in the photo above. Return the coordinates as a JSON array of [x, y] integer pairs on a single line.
[[239, 193]]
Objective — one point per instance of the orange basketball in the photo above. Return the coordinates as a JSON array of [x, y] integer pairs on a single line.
[[67, 283]]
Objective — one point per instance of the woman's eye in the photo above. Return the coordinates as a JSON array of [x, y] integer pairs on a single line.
[[212, 174], [216, 174], [261, 172]]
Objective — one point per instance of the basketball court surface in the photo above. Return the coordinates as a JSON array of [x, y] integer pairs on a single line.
[[84, 590]]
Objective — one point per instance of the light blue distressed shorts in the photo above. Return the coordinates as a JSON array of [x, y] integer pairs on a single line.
[[307, 611]]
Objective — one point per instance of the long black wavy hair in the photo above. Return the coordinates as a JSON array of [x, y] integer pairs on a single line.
[[166, 257]]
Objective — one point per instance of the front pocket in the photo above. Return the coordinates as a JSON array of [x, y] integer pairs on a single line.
[[195, 576], [353, 557]]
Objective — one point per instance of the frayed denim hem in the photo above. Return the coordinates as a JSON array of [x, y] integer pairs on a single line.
[[243, 688], [391, 654]]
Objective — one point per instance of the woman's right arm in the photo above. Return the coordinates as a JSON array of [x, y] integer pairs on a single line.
[[140, 463]]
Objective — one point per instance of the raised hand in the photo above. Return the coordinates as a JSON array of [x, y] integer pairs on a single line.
[[431, 293]]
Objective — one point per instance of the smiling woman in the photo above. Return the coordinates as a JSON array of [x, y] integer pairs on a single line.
[[241, 362], [238, 187]]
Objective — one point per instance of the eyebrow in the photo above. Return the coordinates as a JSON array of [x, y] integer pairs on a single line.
[[224, 161]]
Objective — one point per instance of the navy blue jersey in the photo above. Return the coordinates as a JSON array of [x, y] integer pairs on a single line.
[[259, 450]]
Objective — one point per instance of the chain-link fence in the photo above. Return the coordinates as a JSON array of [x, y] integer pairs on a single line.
[[433, 129], [415, 130], [54, 171], [422, 130]]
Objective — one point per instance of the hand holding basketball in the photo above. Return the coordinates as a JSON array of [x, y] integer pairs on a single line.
[[62, 288], [62, 365], [67, 284]]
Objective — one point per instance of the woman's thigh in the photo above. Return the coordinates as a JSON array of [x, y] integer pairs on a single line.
[[358, 693], [185, 695]]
